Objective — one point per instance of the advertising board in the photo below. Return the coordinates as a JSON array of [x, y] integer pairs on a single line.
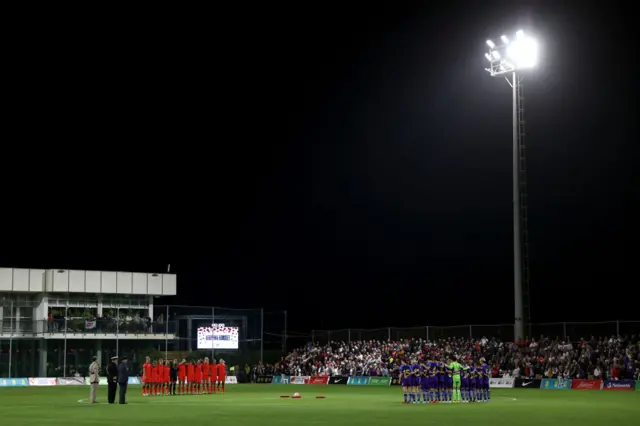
[[578, 384], [500, 382], [562, 384]]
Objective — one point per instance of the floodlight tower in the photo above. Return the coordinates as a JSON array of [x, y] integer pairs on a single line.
[[509, 57]]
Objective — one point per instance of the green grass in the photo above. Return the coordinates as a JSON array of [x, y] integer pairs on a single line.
[[344, 405]]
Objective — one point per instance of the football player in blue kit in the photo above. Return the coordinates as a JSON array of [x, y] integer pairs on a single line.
[[405, 380], [473, 384], [484, 370], [464, 389], [448, 384], [415, 382], [442, 395], [424, 382]]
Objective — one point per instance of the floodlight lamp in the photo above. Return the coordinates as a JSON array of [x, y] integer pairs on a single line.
[[524, 52], [486, 55], [504, 39], [496, 54], [519, 34], [490, 44]]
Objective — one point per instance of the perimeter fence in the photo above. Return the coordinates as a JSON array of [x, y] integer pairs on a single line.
[[564, 330], [64, 344]]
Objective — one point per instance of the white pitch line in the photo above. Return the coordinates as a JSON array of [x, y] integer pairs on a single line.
[[85, 402], [29, 406], [506, 397]]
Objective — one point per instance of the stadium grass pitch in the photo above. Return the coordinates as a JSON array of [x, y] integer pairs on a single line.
[[344, 405]]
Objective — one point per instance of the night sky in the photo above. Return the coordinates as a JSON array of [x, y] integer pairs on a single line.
[[352, 166]]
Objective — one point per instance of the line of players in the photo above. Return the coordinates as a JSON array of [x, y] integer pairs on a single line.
[[183, 378], [434, 380]]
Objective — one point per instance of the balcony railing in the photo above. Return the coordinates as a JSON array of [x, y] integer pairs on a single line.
[[97, 326]]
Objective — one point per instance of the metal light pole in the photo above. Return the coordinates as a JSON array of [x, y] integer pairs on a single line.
[[508, 58]]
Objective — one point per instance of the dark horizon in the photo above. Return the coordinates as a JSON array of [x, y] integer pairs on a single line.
[[352, 168]]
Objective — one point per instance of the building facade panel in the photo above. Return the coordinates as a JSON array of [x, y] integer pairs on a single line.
[[76, 281], [124, 282], [93, 281], [109, 282], [36, 280], [6, 279]]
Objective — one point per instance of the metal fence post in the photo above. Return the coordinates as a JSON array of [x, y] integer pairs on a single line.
[[564, 329], [166, 335], [470, 332], [10, 336], [261, 334], [389, 333], [118, 330], [64, 357], [213, 343], [328, 337], [349, 335], [427, 332], [284, 343]]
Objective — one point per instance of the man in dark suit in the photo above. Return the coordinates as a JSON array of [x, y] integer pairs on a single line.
[[173, 376], [112, 380], [123, 379]]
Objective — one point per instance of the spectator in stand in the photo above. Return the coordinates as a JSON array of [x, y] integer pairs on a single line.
[[384, 371], [615, 370], [597, 374]]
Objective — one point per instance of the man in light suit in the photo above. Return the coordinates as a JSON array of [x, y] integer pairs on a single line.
[[94, 379]]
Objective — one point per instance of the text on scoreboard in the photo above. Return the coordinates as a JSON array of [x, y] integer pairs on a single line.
[[218, 336]]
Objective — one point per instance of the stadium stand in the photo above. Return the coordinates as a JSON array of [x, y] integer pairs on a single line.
[[600, 358]]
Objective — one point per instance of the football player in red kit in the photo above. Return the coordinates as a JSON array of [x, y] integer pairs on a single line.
[[155, 373], [146, 377], [182, 376], [166, 377], [214, 375], [198, 377], [222, 374], [206, 376], [191, 372]]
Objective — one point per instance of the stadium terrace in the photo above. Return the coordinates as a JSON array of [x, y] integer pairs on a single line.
[[613, 357]]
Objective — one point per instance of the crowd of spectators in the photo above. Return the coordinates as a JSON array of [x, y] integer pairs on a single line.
[[123, 323], [614, 357]]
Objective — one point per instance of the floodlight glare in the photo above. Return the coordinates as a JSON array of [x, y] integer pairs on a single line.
[[524, 52], [521, 51], [506, 60]]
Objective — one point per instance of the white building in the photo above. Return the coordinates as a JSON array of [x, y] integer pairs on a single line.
[[50, 315]]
